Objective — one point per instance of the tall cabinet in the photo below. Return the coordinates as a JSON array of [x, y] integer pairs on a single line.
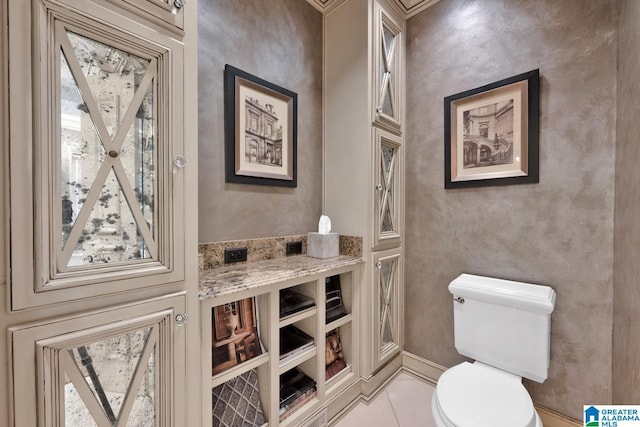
[[102, 247], [364, 158]]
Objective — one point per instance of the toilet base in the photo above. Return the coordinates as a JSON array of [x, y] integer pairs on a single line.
[[441, 420]]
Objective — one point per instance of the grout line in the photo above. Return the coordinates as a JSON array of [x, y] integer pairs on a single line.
[[393, 410]]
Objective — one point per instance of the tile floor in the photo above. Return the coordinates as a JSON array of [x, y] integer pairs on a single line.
[[404, 402]]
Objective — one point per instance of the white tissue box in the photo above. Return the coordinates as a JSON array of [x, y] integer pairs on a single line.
[[323, 245]]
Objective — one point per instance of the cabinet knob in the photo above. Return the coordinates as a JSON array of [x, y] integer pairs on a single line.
[[379, 110], [379, 187], [179, 4], [379, 265], [181, 319], [179, 161], [113, 154]]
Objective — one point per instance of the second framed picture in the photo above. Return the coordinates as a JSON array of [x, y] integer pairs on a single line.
[[491, 133], [260, 131]]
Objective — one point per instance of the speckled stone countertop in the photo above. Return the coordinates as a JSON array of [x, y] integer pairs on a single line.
[[249, 275]]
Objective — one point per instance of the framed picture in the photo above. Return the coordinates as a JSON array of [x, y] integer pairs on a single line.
[[260, 131], [491, 133]]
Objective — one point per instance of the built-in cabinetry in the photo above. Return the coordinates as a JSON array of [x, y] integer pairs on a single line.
[[166, 13], [103, 249], [233, 343], [364, 159]]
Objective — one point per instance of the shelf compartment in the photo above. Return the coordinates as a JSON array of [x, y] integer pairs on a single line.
[[338, 356], [297, 299], [297, 391], [239, 369]]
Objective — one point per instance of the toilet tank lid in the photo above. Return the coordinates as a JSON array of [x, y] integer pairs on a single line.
[[506, 292]]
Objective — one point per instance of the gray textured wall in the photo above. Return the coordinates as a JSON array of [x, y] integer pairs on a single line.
[[626, 334], [558, 232], [281, 42]]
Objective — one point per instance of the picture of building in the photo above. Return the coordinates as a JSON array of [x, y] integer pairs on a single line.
[[488, 135], [263, 134]]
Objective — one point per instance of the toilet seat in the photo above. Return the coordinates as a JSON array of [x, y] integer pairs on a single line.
[[478, 395]]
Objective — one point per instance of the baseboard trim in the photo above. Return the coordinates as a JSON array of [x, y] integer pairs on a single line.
[[373, 385], [431, 372]]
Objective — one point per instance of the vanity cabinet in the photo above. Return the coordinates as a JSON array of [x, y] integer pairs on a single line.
[[364, 159], [103, 250], [325, 340]]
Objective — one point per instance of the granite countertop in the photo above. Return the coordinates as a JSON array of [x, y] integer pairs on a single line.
[[248, 275]]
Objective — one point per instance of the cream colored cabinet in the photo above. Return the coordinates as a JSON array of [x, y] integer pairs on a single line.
[[166, 13], [105, 142], [364, 158], [103, 251], [388, 42], [120, 366], [388, 297], [244, 340], [388, 197]]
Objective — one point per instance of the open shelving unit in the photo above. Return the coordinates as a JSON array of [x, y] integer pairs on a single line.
[[270, 367]]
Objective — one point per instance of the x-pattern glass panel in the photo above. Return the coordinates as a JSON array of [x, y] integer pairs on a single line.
[[108, 154], [387, 76], [387, 172], [386, 301], [111, 382]]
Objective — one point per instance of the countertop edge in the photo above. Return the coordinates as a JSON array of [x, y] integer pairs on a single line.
[[230, 279]]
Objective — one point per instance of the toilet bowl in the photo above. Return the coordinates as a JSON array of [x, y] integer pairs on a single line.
[[505, 327], [479, 395]]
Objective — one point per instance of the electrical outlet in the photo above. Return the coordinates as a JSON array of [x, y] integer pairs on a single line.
[[294, 247], [235, 255]]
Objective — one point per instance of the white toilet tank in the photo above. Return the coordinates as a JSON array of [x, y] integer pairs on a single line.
[[503, 324]]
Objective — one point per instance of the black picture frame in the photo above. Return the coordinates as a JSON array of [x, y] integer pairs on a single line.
[[491, 133], [260, 131]]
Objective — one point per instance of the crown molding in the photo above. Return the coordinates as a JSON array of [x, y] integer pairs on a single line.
[[325, 6], [413, 7], [408, 7]]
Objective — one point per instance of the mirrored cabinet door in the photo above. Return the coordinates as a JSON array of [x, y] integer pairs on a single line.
[[388, 45], [387, 218], [107, 154], [93, 371], [388, 302]]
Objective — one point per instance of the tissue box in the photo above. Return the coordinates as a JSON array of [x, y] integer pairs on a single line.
[[323, 245]]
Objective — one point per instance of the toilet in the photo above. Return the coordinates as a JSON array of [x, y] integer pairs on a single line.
[[504, 326]]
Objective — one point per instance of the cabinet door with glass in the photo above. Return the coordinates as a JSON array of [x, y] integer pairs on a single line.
[[388, 300], [387, 200], [388, 73], [102, 211], [94, 370]]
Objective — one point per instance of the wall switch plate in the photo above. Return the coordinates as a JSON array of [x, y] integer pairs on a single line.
[[294, 248], [235, 255]]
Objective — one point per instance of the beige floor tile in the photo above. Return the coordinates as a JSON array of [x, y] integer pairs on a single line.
[[411, 402], [405, 402], [378, 413]]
